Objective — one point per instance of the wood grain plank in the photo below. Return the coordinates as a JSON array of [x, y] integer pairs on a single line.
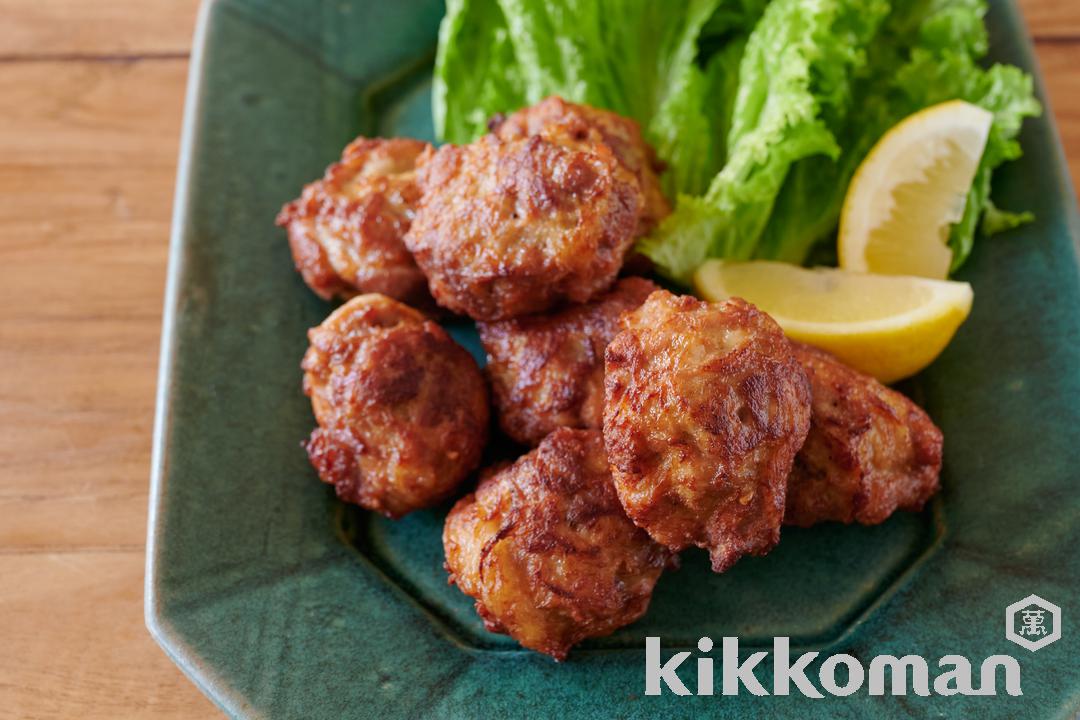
[[74, 644], [1052, 18], [43, 28], [137, 27], [85, 195], [1061, 73]]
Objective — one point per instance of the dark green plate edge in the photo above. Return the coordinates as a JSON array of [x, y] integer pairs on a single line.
[[156, 622]]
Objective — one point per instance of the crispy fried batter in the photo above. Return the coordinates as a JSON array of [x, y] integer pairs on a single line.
[[402, 409], [507, 229], [345, 230], [869, 452], [544, 548], [705, 409], [547, 371], [581, 126]]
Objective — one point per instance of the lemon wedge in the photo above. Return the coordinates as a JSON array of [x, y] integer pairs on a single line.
[[910, 190], [888, 326]]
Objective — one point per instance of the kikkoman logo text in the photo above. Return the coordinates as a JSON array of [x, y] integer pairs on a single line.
[[951, 674]]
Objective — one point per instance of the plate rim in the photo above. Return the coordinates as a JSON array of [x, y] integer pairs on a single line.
[[171, 642]]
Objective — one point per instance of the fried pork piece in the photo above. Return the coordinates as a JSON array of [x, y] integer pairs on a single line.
[[512, 228], [544, 548], [573, 125], [547, 371], [346, 230], [705, 409], [402, 409], [869, 452]]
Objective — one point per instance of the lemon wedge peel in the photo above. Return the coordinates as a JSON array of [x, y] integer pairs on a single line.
[[894, 345], [909, 191]]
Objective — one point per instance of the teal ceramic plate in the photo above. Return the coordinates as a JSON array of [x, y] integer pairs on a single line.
[[279, 602]]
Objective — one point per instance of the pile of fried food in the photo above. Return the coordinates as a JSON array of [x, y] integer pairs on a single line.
[[657, 421]]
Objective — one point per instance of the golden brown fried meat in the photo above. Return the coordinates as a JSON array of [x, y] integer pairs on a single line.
[[547, 371], [544, 548], [582, 126], [705, 409], [508, 229], [402, 409], [869, 452], [346, 229]]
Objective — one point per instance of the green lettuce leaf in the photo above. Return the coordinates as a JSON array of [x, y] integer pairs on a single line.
[[995, 220], [476, 73], [926, 53], [636, 57], [794, 77], [690, 130], [762, 110]]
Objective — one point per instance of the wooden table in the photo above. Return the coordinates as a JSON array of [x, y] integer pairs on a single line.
[[91, 95]]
